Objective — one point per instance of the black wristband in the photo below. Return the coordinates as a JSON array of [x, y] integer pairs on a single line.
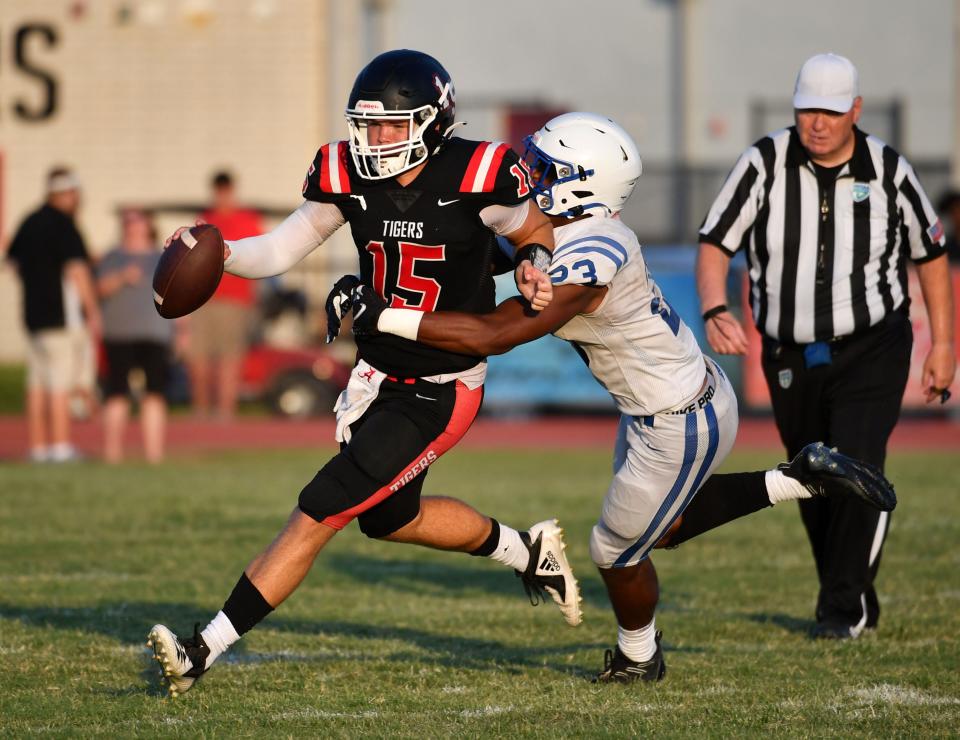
[[538, 255], [715, 311]]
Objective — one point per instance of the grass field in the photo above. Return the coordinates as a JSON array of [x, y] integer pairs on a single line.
[[389, 640]]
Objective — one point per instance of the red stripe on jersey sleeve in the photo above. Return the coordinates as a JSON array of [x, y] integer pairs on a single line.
[[342, 164], [325, 185], [495, 161], [466, 185]]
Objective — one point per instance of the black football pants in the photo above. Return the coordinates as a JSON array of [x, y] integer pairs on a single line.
[[851, 404]]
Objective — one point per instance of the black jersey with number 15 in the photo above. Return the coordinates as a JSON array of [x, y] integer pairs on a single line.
[[423, 246]]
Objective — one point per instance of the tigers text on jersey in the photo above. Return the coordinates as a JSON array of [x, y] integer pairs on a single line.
[[423, 246], [634, 343]]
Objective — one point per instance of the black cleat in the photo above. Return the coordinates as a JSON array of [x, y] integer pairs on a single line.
[[831, 630], [828, 473], [618, 668], [182, 661]]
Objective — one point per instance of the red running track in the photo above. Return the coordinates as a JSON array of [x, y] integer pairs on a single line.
[[187, 435]]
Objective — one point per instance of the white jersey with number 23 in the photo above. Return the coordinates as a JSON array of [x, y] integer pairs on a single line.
[[635, 345]]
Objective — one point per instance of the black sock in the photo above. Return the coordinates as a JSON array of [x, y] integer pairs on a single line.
[[246, 607], [489, 544], [722, 499]]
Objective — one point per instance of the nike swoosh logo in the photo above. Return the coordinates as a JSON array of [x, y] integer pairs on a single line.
[[426, 398], [441, 202]]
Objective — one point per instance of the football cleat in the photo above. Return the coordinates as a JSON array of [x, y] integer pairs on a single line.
[[825, 472], [182, 661], [548, 571], [832, 630], [618, 668]]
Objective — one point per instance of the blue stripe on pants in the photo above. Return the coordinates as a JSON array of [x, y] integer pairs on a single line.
[[713, 441], [689, 455]]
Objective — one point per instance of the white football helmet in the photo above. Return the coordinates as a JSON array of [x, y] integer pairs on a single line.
[[580, 161]]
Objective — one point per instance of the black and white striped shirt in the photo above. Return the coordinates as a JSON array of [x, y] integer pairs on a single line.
[[829, 260]]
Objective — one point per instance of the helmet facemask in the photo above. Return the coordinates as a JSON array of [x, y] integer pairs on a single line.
[[381, 161], [553, 179]]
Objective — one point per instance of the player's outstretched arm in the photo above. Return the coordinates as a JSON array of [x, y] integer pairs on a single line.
[[533, 283], [510, 324], [293, 239]]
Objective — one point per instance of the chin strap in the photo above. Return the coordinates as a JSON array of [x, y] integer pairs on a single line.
[[447, 135]]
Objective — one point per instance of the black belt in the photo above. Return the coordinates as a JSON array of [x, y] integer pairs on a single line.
[[899, 314]]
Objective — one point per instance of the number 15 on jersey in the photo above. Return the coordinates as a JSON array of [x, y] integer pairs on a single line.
[[411, 290]]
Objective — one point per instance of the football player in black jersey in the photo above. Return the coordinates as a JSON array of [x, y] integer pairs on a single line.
[[424, 210]]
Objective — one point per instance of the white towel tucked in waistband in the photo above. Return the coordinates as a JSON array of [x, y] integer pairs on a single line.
[[360, 392]]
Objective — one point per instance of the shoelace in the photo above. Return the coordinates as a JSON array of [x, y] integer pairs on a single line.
[[607, 673], [193, 646], [193, 642], [535, 591]]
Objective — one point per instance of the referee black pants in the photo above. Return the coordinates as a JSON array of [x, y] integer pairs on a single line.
[[851, 404]]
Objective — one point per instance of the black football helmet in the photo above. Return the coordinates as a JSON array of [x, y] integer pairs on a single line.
[[401, 85]]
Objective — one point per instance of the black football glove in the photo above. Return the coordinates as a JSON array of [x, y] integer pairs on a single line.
[[338, 304], [367, 307]]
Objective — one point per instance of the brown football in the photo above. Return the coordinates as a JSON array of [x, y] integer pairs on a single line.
[[189, 271]]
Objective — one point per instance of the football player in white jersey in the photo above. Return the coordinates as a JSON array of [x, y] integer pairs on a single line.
[[678, 411]]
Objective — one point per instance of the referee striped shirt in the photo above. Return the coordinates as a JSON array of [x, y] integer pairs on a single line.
[[826, 259]]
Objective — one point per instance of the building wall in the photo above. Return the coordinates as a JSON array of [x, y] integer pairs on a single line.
[[615, 57], [152, 96]]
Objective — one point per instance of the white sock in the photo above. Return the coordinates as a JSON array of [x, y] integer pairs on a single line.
[[39, 454], [638, 645], [782, 487], [510, 549], [219, 635]]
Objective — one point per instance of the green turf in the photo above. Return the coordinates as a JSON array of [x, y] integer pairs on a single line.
[[389, 640]]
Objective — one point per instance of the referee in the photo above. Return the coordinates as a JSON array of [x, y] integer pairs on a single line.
[[828, 216]]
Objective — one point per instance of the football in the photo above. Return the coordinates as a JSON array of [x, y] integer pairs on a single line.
[[189, 271]]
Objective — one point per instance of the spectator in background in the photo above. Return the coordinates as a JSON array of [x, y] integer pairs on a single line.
[[59, 307], [135, 337], [949, 210], [219, 330]]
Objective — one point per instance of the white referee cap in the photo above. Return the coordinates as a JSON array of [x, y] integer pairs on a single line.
[[827, 81]]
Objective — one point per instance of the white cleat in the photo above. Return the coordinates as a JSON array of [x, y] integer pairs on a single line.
[[182, 662], [549, 572]]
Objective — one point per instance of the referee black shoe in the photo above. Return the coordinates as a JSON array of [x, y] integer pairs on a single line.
[[618, 668], [825, 472]]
